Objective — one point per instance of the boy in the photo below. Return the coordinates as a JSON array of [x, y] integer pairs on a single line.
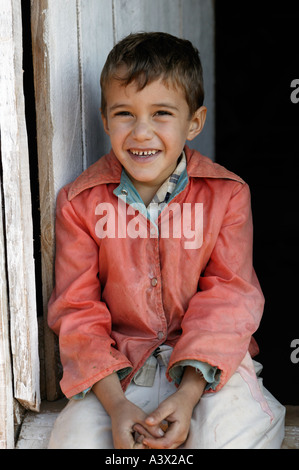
[[156, 299]]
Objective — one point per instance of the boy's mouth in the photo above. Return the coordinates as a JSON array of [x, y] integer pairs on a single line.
[[143, 153]]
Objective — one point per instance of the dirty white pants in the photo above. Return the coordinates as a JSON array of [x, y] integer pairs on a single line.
[[228, 419]]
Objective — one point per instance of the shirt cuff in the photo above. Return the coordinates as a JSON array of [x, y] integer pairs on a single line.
[[211, 374], [81, 395], [122, 373]]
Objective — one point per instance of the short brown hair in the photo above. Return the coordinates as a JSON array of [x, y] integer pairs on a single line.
[[146, 57]]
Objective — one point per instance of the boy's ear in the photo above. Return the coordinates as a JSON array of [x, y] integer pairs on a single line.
[[197, 122], [105, 123]]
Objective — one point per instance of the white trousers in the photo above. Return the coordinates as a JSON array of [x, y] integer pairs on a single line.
[[229, 419]]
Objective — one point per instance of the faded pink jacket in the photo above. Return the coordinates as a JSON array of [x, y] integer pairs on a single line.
[[117, 298]]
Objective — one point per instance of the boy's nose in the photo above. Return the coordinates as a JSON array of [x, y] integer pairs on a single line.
[[142, 131]]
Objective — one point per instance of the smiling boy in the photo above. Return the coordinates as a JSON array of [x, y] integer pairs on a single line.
[[151, 331], [149, 135]]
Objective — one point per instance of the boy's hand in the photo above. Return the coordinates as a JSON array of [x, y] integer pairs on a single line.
[[124, 419], [177, 411], [124, 414]]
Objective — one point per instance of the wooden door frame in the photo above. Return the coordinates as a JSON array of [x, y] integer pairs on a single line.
[[19, 357]]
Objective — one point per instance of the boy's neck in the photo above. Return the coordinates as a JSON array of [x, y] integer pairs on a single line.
[[146, 192]]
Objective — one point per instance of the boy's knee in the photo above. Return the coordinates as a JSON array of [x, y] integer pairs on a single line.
[[82, 424]]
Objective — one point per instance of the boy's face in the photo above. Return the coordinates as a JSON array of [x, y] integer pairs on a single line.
[[148, 129]]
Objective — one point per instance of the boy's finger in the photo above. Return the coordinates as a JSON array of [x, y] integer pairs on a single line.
[[138, 438], [138, 445], [162, 443], [159, 415], [171, 439], [153, 432]]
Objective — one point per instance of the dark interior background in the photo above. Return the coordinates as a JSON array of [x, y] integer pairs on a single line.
[[257, 129]]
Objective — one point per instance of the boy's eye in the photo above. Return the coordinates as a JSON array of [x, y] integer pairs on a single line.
[[123, 113], [163, 113]]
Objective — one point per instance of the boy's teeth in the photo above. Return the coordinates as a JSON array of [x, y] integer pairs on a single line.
[[145, 153]]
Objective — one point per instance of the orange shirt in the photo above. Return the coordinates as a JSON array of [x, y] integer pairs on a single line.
[[125, 285]]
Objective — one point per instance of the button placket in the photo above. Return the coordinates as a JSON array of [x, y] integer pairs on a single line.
[[161, 332]]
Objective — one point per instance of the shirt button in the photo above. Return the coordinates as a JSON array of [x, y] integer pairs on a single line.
[[160, 335], [124, 192], [154, 281]]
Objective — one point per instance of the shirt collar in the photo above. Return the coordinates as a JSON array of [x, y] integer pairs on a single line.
[[108, 170], [169, 185]]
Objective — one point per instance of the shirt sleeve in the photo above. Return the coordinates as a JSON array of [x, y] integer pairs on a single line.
[[75, 312], [221, 317], [211, 374], [121, 374]]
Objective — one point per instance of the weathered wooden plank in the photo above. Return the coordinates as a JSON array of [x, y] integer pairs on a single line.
[[17, 205], [61, 47], [95, 20], [131, 16], [40, 33], [6, 397], [59, 135]]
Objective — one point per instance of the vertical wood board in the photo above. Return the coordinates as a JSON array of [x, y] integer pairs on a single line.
[[95, 20], [64, 90], [17, 206], [156, 15], [39, 32], [56, 60], [6, 397]]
